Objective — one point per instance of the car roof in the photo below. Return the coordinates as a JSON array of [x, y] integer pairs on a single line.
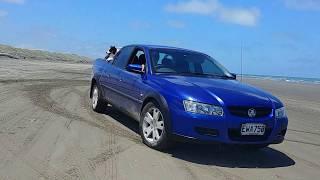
[[163, 47]]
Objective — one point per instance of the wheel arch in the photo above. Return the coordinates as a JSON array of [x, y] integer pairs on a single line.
[[93, 82], [153, 97], [161, 101]]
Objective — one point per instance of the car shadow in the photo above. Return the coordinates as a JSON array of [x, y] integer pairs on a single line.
[[231, 156], [217, 155]]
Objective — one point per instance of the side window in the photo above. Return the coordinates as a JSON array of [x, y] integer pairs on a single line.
[[138, 58], [123, 57]]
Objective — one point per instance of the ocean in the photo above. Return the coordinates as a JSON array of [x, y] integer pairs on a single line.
[[285, 78]]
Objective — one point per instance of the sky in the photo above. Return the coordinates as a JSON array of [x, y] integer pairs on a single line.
[[278, 37]]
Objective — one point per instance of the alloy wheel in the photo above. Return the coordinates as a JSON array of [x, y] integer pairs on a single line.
[[153, 125], [95, 96]]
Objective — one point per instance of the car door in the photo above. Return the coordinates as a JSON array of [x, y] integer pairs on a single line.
[[104, 70], [131, 84], [114, 75], [138, 88]]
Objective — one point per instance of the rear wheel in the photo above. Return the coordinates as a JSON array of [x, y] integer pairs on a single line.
[[153, 127], [97, 103]]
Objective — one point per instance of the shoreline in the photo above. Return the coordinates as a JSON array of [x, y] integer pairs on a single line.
[[298, 80], [294, 91]]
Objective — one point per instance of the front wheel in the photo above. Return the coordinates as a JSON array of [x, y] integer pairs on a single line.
[[153, 127]]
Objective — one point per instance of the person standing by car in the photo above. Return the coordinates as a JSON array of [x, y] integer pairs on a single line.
[[111, 53]]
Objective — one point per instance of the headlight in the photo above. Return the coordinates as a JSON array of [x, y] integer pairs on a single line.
[[201, 108], [280, 113]]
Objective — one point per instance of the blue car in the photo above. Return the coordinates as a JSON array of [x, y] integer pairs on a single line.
[[179, 94]]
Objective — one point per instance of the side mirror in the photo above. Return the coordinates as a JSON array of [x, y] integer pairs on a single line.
[[234, 75], [137, 68]]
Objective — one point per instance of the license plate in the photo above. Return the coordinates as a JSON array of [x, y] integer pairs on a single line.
[[253, 129]]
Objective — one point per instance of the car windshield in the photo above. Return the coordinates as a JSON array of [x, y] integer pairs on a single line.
[[186, 63]]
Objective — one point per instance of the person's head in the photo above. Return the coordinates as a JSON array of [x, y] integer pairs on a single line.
[[113, 50]]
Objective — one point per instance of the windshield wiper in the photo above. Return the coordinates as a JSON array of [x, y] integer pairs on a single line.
[[166, 73], [198, 74], [205, 74], [194, 73]]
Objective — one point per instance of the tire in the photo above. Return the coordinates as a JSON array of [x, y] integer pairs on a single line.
[[153, 127], [97, 102]]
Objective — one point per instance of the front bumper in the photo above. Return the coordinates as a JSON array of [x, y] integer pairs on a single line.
[[213, 129]]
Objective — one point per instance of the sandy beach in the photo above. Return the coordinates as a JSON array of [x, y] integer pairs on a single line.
[[48, 131], [302, 103]]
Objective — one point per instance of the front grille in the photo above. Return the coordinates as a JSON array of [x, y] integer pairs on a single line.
[[242, 111], [235, 135]]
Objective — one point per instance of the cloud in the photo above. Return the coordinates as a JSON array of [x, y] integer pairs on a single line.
[[176, 24], [13, 1], [3, 13], [213, 8], [194, 6], [302, 4], [246, 17]]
